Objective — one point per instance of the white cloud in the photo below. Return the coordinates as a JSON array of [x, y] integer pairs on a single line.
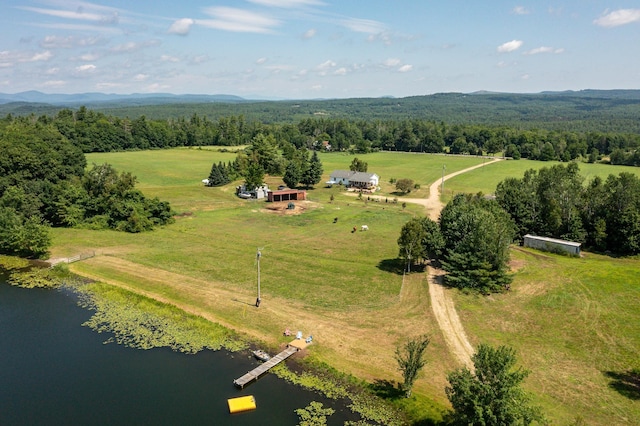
[[326, 65], [510, 46], [157, 86], [43, 56], [54, 83], [169, 58], [340, 71], [238, 20], [140, 77], [525, 76], [544, 49], [56, 42], [181, 26], [363, 25], [133, 46], [86, 68], [405, 68], [80, 11], [520, 10], [309, 33], [261, 61], [392, 62], [618, 17], [89, 57], [52, 71], [288, 4]]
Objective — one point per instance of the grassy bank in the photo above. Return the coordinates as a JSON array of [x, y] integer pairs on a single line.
[[343, 287]]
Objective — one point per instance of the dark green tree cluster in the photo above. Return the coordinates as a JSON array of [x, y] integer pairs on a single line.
[[95, 131], [553, 202], [113, 202], [625, 158], [43, 183], [492, 393], [477, 234], [471, 240], [222, 174]]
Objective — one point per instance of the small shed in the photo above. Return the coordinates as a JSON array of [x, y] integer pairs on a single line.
[[552, 244], [287, 195]]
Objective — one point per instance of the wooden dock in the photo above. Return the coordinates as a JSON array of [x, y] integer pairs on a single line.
[[252, 375]]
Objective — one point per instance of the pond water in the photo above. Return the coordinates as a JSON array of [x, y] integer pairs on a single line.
[[53, 371]]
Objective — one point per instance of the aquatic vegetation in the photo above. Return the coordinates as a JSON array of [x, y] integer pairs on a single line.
[[10, 263], [314, 414], [35, 278], [139, 322], [368, 406]]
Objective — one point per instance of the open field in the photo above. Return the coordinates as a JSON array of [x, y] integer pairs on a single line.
[[485, 180], [344, 287]]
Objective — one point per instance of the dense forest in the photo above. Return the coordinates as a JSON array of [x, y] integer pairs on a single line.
[[608, 111], [43, 182], [93, 131]]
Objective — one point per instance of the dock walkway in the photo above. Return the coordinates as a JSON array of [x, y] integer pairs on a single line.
[[293, 347], [264, 367]]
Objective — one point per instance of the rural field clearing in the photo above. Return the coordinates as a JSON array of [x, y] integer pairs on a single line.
[[347, 289]]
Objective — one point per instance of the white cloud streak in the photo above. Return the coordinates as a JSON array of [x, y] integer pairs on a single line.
[[510, 46], [366, 26], [238, 20], [544, 49], [287, 4], [618, 17], [520, 10]]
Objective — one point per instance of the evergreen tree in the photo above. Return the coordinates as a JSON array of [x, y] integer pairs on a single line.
[[477, 234], [216, 177], [292, 174], [313, 174]]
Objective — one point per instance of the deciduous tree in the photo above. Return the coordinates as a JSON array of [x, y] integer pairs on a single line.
[[491, 394], [411, 360]]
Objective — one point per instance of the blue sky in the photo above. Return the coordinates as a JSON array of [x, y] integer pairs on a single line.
[[306, 49]]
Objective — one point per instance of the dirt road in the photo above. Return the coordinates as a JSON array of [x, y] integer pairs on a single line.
[[441, 304]]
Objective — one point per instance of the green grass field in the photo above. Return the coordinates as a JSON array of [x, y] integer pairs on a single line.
[[574, 322], [486, 179]]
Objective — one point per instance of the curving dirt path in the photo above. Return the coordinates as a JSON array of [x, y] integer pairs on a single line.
[[441, 304]]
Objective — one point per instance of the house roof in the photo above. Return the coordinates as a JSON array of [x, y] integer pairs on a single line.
[[362, 177], [553, 240], [342, 174]]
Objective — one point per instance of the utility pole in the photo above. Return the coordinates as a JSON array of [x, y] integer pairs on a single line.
[[442, 186], [258, 255]]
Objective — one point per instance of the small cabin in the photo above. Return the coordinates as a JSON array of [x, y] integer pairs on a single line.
[[552, 244], [287, 195]]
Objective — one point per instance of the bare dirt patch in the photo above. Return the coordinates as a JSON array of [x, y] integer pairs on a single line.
[[282, 208]]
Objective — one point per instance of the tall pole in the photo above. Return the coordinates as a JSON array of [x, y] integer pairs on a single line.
[[442, 186], [258, 254]]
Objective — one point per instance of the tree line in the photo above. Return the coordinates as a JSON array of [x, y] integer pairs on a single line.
[[93, 131], [43, 182], [472, 236]]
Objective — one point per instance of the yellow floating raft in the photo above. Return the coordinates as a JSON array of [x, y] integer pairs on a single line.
[[242, 403]]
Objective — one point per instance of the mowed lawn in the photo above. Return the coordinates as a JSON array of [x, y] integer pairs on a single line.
[[574, 322]]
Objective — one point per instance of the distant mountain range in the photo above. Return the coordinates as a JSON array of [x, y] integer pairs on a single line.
[[140, 99], [96, 98]]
